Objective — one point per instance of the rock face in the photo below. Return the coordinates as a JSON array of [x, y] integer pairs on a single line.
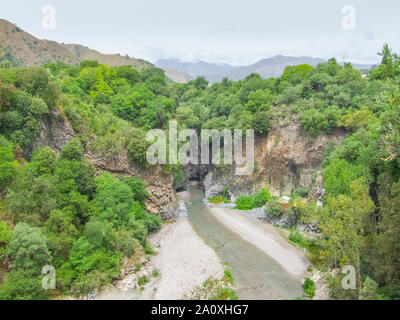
[[317, 191], [55, 133], [285, 160], [159, 185]]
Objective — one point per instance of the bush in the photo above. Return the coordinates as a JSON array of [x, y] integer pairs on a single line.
[[297, 238], [309, 287], [256, 200], [274, 209], [261, 197], [244, 202], [138, 146], [302, 192], [21, 285]]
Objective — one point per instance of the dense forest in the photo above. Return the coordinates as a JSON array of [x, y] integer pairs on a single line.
[[55, 209]]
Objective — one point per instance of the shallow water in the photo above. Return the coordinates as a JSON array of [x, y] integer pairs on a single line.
[[257, 276]]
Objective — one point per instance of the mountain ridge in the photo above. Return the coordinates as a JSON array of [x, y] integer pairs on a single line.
[[22, 48], [266, 67]]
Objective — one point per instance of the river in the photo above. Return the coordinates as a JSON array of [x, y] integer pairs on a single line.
[[257, 276]]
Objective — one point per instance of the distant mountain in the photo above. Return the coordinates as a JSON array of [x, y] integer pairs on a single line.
[[195, 69], [267, 68], [176, 75]]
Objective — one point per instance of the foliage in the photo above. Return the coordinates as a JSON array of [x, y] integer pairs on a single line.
[[27, 249], [309, 287], [5, 236], [256, 200], [216, 289], [244, 202], [369, 289], [274, 209], [21, 285], [218, 199]]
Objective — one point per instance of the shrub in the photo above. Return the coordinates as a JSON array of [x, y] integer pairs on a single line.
[[21, 285], [274, 209], [256, 200], [138, 146], [261, 197], [309, 287], [302, 192], [244, 202], [297, 238]]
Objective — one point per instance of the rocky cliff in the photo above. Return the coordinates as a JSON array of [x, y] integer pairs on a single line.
[[285, 160]]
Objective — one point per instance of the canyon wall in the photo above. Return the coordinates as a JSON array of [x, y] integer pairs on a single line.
[[284, 161]]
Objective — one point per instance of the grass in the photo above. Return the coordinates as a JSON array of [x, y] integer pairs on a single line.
[[218, 200], [228, 277], [311, 245], [297, 238], [142, 281], [216, 289], [148, 249], [137, 268], [155, 273], [225, 294]]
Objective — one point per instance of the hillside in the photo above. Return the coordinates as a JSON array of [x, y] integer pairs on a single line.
[[21, 48], [24, 49], [116, 59], [176, 75]]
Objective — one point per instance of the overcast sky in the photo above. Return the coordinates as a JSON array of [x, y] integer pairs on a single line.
[[232, 31]]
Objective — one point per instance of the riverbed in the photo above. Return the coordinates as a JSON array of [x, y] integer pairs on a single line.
[[203, 242], [255, 254]]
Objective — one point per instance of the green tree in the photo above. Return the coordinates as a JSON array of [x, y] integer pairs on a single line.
[[61, 233], [21, 285], [369, 289], [7, 163], [27, 249]]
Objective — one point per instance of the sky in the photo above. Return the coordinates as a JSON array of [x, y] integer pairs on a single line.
[[230, 31]]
